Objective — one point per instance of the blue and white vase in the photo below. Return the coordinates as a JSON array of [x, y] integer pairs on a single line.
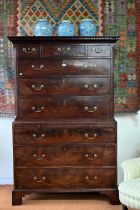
[[66, 28], [43, 28], [87, 28]]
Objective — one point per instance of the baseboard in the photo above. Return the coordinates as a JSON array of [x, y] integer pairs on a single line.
[[7, 180]]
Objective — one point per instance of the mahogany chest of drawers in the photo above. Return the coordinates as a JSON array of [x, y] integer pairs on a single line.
[[64, 133]]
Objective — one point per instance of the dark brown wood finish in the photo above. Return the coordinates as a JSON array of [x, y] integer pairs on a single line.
[[65, 107], [65, 178], [64, 133], [35, 134], [64, 50], [68, 86], [43, 67], [66, 155]]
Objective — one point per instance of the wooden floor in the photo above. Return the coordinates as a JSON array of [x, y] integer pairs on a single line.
[[55, 202]]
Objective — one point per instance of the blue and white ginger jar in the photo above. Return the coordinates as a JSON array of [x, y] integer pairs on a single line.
[[43, 28], [66, 28], [87, 28]]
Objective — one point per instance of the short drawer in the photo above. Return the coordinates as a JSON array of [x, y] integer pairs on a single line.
[[71, 107], [65, 178], [50, 67], [44, 134], [58, 50], [99, 50], [69, 86], [66, 155], [29, 50]]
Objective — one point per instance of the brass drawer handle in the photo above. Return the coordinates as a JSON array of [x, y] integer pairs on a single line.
[[91, 156], [91, 136], [37, 68], [28, 50], [34, 87], [64, 49], [38, 108], [98, 49], [43, 179], [89, 179], [39, 157], [90, 109], [37, 137], [91, 87]]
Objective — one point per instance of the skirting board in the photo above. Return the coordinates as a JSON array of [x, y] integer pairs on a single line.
[[7, 180]]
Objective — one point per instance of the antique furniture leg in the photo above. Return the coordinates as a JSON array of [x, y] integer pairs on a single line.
[[113, 197], [16, 198], [124, 207]]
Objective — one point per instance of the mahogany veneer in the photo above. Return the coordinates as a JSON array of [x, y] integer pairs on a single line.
[[64, 133]]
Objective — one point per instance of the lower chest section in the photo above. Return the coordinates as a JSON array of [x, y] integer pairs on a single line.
[[65, 156]]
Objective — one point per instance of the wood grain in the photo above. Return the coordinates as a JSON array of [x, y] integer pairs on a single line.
[[64, 133]]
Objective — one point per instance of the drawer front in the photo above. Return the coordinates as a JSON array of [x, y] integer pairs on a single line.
[[99, 50], [34, 87], [29, 50], [87, 86], [43, 67], [32, 134], [67, 155], [71, 86], [74, 107], [59, 50], [65, 178]]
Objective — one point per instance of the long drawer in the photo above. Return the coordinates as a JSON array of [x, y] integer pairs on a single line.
[[71, 86], [65, 178], [44, 134], [66, 155], [44, 67], [74, 107]]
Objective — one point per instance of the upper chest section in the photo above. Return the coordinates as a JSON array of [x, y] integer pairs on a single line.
[[55, 47]]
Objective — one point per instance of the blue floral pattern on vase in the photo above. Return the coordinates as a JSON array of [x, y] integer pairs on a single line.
[[43, 28], [66, 28], [87, 28]]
